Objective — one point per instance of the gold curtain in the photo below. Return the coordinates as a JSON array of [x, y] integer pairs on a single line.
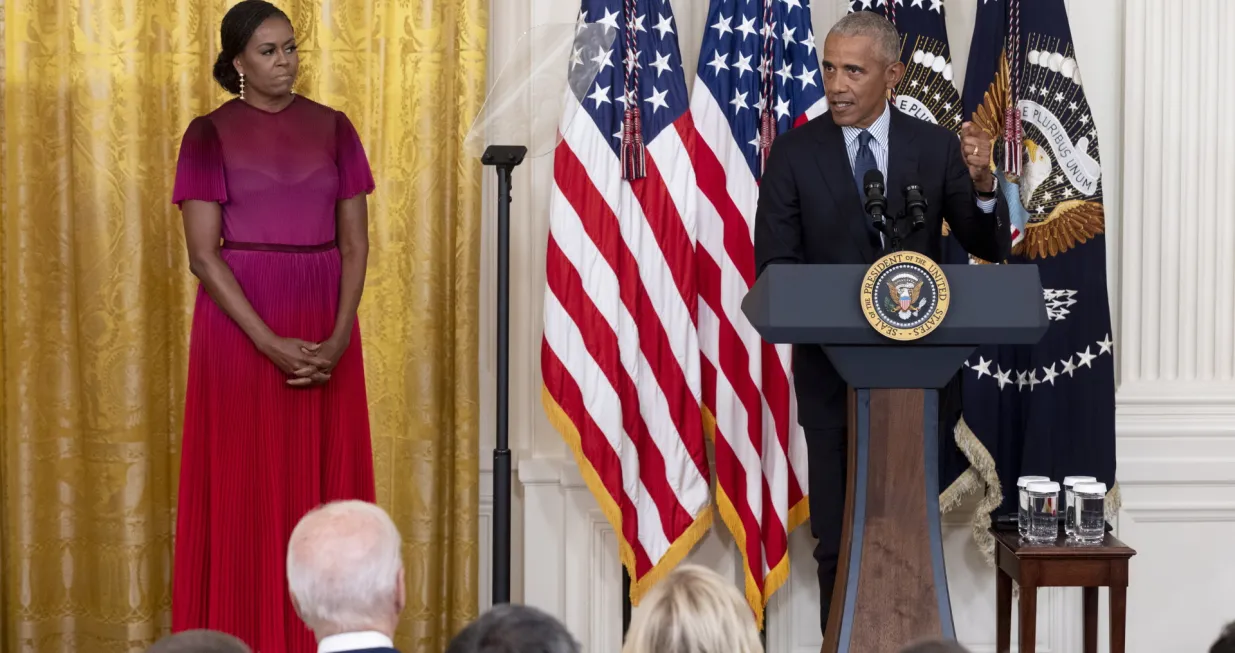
[[95, 297]]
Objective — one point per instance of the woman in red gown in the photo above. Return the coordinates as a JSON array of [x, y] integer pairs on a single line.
[[276, 419]]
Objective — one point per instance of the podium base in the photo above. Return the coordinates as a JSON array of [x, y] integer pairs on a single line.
[[891, 584]]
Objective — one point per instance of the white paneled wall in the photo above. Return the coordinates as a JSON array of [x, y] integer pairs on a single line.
[[1177, 253], [1154, 78]]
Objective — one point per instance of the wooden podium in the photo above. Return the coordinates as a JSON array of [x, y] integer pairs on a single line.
[[891, 584]]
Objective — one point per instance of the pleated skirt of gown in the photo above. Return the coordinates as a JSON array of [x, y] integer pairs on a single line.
[[258, 454]]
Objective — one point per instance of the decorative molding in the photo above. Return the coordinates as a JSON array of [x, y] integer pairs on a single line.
[[602, 601], [1213, 396], [484, 540], [535, 472], [1174, 513], [1174, 410]]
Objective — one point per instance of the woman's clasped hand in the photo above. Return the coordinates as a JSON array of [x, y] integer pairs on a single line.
[[306, 363]]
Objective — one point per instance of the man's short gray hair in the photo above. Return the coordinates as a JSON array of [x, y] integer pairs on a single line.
[[512, 628], [343, 563], [199, 641], [877, 28]]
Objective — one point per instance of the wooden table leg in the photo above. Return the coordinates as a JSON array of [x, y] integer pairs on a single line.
[[1119, 610], [1029, 619], [1091, 619], [1003, 612]]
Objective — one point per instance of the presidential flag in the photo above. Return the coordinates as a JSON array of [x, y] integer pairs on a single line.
[[1045, 409], [620, 354], [758, 76]]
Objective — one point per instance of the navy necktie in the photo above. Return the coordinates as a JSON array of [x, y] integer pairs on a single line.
[[862, 163]]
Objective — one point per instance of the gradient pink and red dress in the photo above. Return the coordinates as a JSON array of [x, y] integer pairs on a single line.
[[258, 454]]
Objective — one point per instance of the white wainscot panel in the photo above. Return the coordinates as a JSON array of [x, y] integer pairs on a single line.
[[1178, 513], [1181, 578]]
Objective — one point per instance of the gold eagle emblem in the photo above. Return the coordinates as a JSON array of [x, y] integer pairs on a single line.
[[1070, 223]]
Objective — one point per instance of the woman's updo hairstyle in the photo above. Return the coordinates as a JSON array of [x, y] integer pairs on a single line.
[[238, 26]]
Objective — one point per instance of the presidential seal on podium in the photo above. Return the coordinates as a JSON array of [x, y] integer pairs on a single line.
[[905, 295]]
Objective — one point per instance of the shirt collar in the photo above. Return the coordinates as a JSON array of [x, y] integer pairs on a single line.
[[354, 642], [879, 129]]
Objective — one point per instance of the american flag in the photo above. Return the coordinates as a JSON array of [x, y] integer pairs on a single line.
[[758, 76], [620, 355]]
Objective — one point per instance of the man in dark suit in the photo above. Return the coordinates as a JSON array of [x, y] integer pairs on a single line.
[[811, 211], [345, 575]]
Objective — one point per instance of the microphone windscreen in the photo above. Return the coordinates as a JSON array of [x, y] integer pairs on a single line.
[[873, 177]]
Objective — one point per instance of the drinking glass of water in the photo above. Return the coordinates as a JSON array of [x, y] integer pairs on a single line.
[[1090, 500], [1043, 511], [1022, 512], [1069, 514]]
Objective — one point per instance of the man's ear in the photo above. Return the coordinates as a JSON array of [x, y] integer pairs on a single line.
[[400, 593], [894, 74]]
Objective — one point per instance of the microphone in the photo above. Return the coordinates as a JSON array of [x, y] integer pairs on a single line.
[[876, 202], [915, 202]]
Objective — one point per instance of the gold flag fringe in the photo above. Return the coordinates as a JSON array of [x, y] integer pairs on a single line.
[[680, 547]]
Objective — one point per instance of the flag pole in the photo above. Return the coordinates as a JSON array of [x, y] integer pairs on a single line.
[[503, 158]]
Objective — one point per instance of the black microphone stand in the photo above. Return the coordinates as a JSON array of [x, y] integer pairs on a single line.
[[504, 158]]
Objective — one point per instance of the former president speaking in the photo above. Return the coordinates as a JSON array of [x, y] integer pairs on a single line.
[[811, 211]]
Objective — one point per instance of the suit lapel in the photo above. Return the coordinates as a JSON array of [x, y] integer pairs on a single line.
[[902, 161], [833, 161]]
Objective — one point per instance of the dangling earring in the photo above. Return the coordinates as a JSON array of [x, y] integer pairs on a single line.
[[241, 86]]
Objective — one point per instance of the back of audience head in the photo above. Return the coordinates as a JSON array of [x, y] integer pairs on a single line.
[[1226, 641], [345, 569], [935, 646], [693, 610], [199, 641], [512, 628]]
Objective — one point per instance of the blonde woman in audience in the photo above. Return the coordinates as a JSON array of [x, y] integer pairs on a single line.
[[693, 610]]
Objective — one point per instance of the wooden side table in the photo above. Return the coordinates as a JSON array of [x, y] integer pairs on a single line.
[[1061, 564]]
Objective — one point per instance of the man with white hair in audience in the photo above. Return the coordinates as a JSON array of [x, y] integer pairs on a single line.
[[345, 573]]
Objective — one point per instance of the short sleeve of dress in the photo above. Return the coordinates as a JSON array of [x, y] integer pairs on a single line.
[[199, 172], [355, 176]]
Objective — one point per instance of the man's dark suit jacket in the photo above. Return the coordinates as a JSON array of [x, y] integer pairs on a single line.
[[373, 650], [810, 212]]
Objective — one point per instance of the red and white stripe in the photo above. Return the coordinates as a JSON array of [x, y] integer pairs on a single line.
[[620, 354], [761, 468]]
